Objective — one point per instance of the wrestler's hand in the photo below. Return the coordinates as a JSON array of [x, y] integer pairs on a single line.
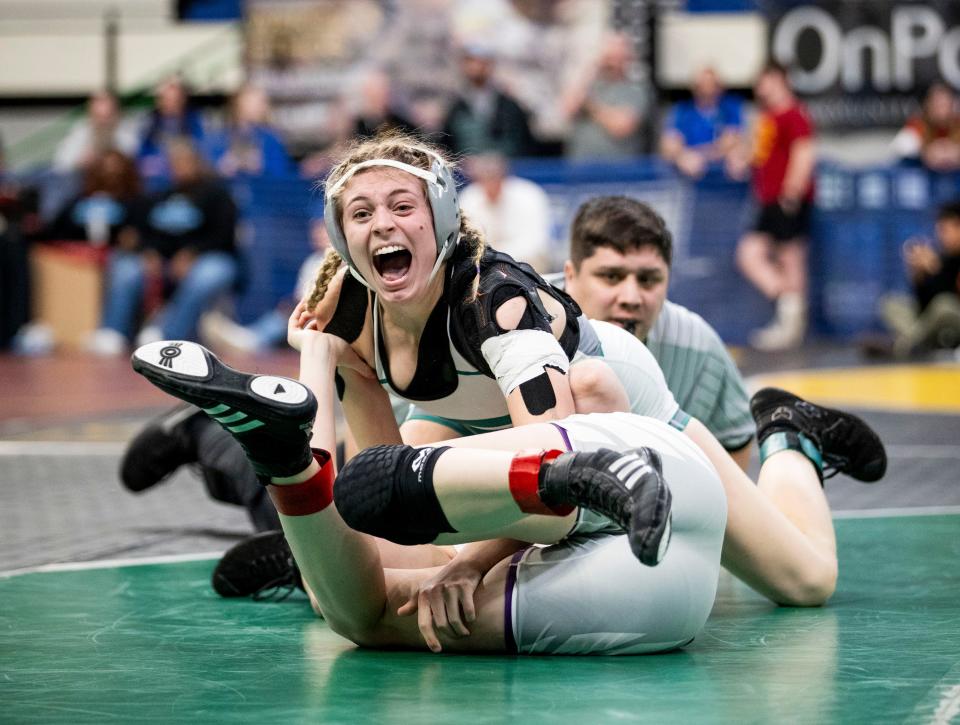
[[303, 335], [444, 603], [300, 320]]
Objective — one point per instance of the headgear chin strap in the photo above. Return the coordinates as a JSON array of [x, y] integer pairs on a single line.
[[441, 194]]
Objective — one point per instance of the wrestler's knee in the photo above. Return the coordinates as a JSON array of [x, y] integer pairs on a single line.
[[387, 491], [810, 586]]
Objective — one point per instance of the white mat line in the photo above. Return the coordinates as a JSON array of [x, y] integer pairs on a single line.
[[895, 512], [62, 448], [112, 563]]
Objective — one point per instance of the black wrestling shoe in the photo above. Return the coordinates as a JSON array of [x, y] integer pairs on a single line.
[[261, 567], [627, 487], [270, 416], [847, 443], [165, 443]]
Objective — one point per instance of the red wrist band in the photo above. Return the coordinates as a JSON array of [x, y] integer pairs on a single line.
[[524, 483], [308, 497]]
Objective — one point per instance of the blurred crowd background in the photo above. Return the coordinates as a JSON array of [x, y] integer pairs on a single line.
[[160, 160]]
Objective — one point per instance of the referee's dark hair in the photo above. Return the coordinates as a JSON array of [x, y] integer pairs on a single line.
[[621, 223]]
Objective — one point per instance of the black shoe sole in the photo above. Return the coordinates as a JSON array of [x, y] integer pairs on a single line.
[[192, 373], [868, 471]]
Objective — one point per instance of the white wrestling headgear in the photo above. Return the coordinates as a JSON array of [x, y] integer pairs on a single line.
[[441, 193]]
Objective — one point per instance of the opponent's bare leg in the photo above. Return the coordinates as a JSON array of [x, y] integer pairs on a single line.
[[780, 537]]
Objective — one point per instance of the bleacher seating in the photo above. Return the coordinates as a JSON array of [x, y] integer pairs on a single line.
[[862, 217]]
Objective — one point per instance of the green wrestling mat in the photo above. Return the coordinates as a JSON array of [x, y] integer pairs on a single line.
[[153, 643]]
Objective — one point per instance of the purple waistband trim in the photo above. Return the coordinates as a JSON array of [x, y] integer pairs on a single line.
[[563, 432], [508, 637]]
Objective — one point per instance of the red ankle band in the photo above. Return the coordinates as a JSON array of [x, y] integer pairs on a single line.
[[524, 483], [310, 496]]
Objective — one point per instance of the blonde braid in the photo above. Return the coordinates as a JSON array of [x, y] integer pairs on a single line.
[[471, 238], [328, 268]]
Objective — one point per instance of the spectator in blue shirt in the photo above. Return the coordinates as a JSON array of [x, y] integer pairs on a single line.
[[706, 130], [250, 146], [171, 118]]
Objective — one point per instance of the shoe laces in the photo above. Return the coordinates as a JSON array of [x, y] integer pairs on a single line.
[[605, 499], [280, 587], [276, 591]]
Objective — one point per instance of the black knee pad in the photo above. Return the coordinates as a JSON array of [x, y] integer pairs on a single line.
[[387, 491]]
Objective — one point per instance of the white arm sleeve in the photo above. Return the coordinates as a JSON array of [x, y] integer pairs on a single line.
[[517, 356]]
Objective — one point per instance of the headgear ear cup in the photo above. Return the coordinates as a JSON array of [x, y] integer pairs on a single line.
[[445, 205], [441, 195]]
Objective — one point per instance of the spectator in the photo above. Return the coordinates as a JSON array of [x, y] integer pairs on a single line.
[[171, 118], [376, 112], [270, 329], [484, 118], [188, 247], [18, 219], [513, 212], [930, 317], [250, 146], [102, 130], [933, 135], [607, 108], [773, 254], [706, 130], [107, 211]]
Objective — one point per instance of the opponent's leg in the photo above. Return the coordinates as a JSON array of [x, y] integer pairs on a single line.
[[763, 546], [780, 537]]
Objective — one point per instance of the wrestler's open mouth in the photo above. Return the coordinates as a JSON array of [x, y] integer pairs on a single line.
[[392, 262]]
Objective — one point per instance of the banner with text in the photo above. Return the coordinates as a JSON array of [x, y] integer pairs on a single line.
[[864, 63]]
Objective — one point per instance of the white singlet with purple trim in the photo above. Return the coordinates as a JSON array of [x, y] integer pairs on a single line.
[[588, 594]]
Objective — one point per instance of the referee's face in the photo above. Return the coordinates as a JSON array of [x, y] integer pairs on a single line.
[[625, 289]]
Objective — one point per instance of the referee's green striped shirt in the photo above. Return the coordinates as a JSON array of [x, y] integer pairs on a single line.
[[701, 374]]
